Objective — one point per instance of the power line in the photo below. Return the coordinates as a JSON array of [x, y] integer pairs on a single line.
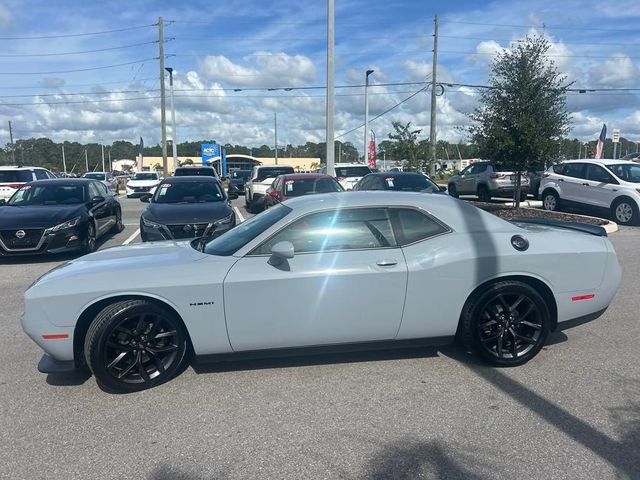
[[122, 82], [81, 69], [546, 55], [552, 42], [121, 47], [543, 26], [84, 34]]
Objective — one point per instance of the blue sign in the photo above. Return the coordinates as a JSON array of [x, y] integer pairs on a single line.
[[224, 162], [209, 152]]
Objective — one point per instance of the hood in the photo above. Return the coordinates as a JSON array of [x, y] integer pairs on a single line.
[[143, 257], [179, 213], [142, 183], [38, 216]]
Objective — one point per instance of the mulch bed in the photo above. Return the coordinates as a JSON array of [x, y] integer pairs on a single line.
[[508, 212]]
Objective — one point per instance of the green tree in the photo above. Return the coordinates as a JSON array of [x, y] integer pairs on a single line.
[[406, 145], [523, 116]]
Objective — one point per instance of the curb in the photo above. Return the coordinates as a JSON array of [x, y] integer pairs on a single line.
[[610, 227]]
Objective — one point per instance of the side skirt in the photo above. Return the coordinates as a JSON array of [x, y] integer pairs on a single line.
[[325, 349]]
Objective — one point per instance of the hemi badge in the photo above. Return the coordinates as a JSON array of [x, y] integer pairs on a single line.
[[56, 336], [577, 298]]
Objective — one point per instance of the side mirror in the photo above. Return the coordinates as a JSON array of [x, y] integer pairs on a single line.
[[97, 200], [2, 201], [145, 198], [281, 252], [443, 189]]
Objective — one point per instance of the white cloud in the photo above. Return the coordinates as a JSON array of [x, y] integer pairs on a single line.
[[5, 15]]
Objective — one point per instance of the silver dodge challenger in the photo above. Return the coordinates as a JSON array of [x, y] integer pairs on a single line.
[[355, 270]]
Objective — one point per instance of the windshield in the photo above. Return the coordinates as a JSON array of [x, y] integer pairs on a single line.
[[194, 171], [629, 172], [309, 186], [95, 176], [264, 173], [240, 174], [410, 183], [188, 192], [352, 171], [48, 195], [15, 176], [145, 176], [236, 238]]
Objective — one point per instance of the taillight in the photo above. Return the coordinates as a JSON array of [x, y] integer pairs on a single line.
[[15, 185], [546, 174], [498, 175], [273, 193]]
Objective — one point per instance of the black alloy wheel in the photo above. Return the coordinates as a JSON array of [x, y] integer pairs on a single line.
[[134, 345], [507, 324], [119, 226], [90, 240], [483, 194]]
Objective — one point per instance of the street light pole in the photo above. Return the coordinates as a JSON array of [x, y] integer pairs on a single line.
[[330, 134], [173, 120], [366, 115], [102, 145]]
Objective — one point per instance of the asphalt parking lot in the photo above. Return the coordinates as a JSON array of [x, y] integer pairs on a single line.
[[573, 412]]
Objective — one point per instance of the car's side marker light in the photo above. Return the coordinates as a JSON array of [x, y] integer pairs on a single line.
[[56, 336], [577, 298]]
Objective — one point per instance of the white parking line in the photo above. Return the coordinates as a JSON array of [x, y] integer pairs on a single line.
[[132, 237], [237, 210], [122, 196]]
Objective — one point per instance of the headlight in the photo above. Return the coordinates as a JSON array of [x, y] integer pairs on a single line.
[[224, 221], [65, 225], [150, 224]]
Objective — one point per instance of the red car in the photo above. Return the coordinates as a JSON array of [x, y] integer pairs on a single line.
[[298, 184]]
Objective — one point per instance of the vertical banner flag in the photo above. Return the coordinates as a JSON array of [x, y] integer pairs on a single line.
[[223, 162], [600, 144], [209, 152], [140, 155], [372, 151]]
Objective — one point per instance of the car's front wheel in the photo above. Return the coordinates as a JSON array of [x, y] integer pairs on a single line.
[[506, 323], [483, 194], [133, 345], [625, 212], [550, 200], [90, 242], [452, 190]]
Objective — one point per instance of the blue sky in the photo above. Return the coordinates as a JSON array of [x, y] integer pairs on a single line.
[[228, 55]]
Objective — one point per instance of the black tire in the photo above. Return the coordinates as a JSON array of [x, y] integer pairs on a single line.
[[523, 197], [246, 202], [483, 194], [119, 226], [133, 345], [550, 200], [90, 242], [507, 323], [451, 189], [625, 211]]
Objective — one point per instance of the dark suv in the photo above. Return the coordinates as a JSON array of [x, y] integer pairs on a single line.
[[195, 170]]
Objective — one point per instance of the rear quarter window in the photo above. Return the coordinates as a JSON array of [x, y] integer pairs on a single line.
[[15, 176], [414, 226]]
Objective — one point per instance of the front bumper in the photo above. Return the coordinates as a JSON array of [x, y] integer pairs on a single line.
[[178, 232], [69, 240], [138, 191]]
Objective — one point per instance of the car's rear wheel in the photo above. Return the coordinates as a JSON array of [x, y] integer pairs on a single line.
[[483, 194], [625, 212], [451, 188], [550, 200], [506, 323], [133, 345], [119, 226]]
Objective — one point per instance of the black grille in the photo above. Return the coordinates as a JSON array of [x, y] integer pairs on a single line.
[[30, 239], [141, 189], [189, 230]]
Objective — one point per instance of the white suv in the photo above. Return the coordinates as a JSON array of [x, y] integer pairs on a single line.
[[613, 185], [12, 178], [348, 174], [259, 181]]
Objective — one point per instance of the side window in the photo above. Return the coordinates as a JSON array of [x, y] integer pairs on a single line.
[[575, 170], [413, 226], [40, 174], [467, 170], [596, 173], [353, 229], [104, 191], [94, 191], [480, 167], [559, 169], [276, 185]]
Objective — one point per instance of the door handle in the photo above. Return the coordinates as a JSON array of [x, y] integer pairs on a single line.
[[561, 179], [386, 263], [585, 184]]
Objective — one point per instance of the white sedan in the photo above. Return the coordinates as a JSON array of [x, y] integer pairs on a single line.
[[355, 269]]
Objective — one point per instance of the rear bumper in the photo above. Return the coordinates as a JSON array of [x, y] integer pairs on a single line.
[[574, 322], [48, 364], [500, 191]]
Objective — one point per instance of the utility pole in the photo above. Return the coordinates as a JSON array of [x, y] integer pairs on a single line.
[[330, 134], [434, 74], [110, 164], [366, 115], [13, 150], [102, 146], [163, 117], [174, 141], [340, 152], [86, 160], [275, 132], [64, 161]]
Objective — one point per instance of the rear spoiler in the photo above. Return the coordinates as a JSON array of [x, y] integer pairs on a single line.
[[577, 226]]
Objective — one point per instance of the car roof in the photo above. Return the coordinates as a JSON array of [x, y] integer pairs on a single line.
[[350, 165], [63, 181], [397, 174], [274, 166], [302, 176], [16, 167], [190, 178], [187, 167], [457, 214], [602, 161], [101, 173]]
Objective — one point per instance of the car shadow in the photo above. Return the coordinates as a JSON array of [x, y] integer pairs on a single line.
[[204, 367]]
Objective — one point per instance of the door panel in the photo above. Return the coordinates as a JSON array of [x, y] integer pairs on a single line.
[[599, 188], [315, 299]]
